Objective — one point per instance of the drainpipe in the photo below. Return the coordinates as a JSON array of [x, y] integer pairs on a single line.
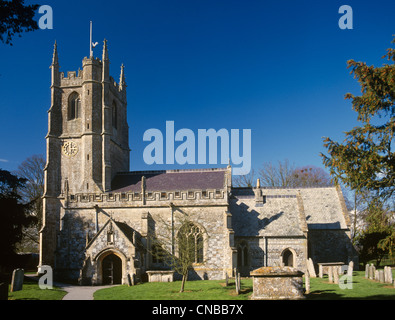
[[172, 227], [265, 252]]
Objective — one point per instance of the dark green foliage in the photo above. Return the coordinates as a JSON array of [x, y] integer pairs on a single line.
[[366, 159], [14, 216], [365, 162], [15, 18]]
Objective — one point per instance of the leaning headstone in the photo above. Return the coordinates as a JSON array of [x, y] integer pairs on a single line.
[[376, 275], [17, 280], [307, 281], [367, 271], [310, 268], [226, 279], [381, 276], [237, 283]]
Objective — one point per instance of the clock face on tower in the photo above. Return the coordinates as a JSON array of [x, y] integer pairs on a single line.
[[70, 148]]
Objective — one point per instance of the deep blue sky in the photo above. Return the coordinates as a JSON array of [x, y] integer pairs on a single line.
[[277, 68]]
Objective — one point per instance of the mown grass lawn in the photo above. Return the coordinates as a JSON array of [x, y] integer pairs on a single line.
[[362, 288], [31, 291], [194, 290], [321, 289]]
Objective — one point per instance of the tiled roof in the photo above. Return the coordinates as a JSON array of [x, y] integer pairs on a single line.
[[323, 209], [170, 180], [280, 213], [279, 216]]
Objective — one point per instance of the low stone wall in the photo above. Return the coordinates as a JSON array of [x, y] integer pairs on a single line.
[[277, 283]]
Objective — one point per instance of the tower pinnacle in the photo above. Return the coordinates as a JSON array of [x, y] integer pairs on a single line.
[[122, 82], [105, 50], [55, 60]]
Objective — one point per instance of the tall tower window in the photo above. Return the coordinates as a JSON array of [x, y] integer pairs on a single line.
[[74, 106], [114, 116]]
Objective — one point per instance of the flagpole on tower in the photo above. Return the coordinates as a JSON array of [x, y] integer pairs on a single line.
[[92, 45], [90, 42]]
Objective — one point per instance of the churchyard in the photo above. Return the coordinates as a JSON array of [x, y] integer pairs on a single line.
[[363, 288]]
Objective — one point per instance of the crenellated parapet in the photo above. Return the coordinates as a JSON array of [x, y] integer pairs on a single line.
[[151, 198]]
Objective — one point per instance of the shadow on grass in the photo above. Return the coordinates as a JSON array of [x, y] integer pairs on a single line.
[[361, 289]]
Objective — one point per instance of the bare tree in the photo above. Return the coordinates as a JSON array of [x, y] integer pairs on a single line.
[[279, 175], [310, 176], [247, 180], [32, 170], [286, 175], [179, 245]]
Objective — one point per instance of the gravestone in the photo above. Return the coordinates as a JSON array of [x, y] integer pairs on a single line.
[[367, 271], [17, 280], [385, 274], [310, 268], [307, 281], [388, 275], [372, 271], [237, 282], [351, 268], [390, 278], [376, 275], [381, 276]]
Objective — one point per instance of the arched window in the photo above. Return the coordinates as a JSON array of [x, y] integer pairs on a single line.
[[190, 243], [114, 116], [242, 254], [74, 106], [287, 258]]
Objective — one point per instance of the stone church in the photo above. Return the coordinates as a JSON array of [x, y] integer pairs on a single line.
[[100, 219]]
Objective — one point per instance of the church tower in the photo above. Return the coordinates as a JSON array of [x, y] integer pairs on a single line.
[[87, 140]]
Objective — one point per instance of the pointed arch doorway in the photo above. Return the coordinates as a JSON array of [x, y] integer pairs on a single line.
[[111, 270]]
